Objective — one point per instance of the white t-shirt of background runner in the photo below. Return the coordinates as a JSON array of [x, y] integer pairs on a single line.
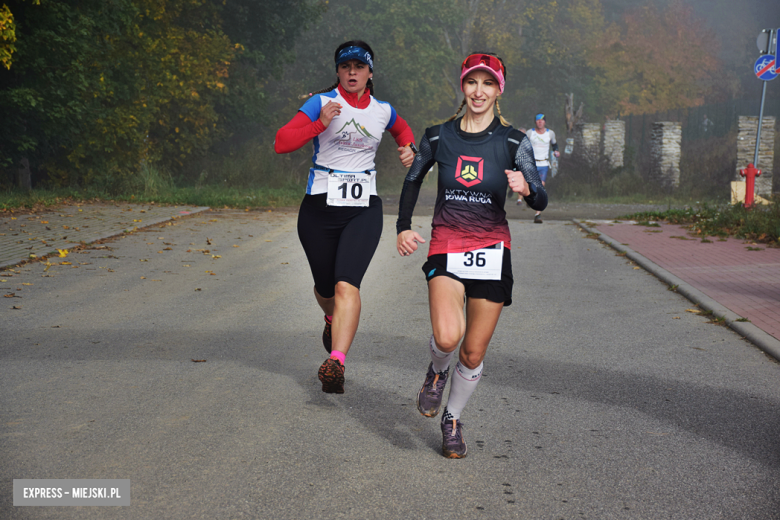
[[350, 142], [541, 144]]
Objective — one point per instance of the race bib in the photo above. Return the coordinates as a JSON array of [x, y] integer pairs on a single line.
[[480, 264], [349, 189]]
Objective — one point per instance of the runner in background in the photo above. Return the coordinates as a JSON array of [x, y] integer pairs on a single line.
[[542, 139], [340, 218], [469, 258]]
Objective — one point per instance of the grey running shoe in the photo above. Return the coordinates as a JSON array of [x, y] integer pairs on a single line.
[[537, 219], [326, 339], [331, 373], [430, 395], [452, 444]]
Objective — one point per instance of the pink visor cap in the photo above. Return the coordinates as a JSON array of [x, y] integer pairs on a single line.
[[486, 62]]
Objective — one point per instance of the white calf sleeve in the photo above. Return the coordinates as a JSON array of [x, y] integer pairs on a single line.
[[464, 382], [440, 360]]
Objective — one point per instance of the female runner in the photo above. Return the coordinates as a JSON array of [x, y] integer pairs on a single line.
[[340, 219], [469, 257]]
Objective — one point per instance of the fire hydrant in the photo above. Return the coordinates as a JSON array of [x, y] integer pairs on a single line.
[[750, 173]]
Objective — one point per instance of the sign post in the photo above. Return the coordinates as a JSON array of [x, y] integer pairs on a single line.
[[765, 69]]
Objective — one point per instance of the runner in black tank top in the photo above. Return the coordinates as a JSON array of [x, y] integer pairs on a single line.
[[469, 255]]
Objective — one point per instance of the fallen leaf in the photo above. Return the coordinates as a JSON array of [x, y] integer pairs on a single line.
[[197, 289], [17, 307], [66, 263], [143, 278], [65, 227], [268, 240], [10, 295], [198, 360], [62, 252], [168, 249], [676, 318], [159, 252], [235, 245], [25, 283], [637, 268], [143, 260], [44, 221], [208, 241], [695, 311], [216, 256]]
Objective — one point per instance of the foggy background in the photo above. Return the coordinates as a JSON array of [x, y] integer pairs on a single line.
[[108, 93]]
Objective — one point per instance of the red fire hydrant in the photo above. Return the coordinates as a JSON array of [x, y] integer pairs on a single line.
[[750, 173]]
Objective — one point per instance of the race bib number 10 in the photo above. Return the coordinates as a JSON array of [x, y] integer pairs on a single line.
[[349, 189], [480, 264]]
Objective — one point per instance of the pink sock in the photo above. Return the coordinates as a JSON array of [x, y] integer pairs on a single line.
[[338, 355]]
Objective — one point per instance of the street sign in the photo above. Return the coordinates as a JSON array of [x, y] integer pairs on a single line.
[[763, 42], [765, 67]]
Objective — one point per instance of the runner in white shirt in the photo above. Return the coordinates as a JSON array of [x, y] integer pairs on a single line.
[[542, 139]]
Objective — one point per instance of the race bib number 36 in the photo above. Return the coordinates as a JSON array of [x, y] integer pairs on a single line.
[[349, 189], [480, 264]]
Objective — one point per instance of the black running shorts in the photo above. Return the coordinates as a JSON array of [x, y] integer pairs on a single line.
[[339, 241], [499, 291]]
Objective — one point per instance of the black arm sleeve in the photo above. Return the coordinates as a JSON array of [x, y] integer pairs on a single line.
[[524, 162], [554, 147], [414, 179]]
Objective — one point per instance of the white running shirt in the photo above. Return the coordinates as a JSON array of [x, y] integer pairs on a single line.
[[541, 144], [350, 142]]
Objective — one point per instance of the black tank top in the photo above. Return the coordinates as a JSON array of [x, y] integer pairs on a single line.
[[469, 211]]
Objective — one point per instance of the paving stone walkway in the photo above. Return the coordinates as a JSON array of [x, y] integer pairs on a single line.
[[44, 233], [742, 276]]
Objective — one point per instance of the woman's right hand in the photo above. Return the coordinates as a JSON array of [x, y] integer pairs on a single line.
[[407, 242], [328, 112]]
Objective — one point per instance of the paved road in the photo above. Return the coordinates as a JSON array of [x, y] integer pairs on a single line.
[[602, 397]]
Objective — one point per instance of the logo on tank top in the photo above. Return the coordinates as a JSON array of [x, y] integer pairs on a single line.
[[469, 170], [353, 135]]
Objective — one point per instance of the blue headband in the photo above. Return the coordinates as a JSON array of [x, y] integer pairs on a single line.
[[539, 116], [355, 53]]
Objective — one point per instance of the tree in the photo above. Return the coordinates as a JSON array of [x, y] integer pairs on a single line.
[[657, 60], [101, 87]]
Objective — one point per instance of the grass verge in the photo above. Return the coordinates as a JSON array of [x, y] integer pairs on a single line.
[[212, 196], [759, 223]]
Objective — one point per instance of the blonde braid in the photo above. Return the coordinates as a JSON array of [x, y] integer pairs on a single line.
[[310, 94], [500, 117], [463, 103]]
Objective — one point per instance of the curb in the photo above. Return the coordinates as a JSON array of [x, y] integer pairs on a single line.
[[758, 337], [110, 234]]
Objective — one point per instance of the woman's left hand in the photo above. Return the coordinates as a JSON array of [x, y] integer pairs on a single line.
[[406, 155], [517, 182]]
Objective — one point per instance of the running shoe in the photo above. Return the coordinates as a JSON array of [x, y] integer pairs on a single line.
[[430, 395], [326, 338], [452, 445], [331, 374], [537, 219]]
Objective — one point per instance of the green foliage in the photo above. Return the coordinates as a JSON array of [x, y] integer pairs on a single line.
[[759, 223], [100, 88]]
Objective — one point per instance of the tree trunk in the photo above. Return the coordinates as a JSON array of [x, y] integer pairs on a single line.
[[23, 175]]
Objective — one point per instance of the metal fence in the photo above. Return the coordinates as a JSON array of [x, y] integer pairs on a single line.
[[715, 120]]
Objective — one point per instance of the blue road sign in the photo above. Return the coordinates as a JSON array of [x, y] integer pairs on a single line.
[[765, 67]]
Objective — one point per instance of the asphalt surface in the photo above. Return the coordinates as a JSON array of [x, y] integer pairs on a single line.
[[601, 396]]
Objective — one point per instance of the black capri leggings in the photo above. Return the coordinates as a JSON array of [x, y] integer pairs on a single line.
[[339, 241]]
